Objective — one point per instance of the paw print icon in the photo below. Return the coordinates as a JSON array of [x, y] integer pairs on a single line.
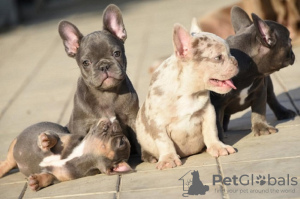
[[261, 180]]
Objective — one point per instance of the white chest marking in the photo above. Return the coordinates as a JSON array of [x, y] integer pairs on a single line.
[[244, 94], [112, 119], [186, 105], [55, 160]]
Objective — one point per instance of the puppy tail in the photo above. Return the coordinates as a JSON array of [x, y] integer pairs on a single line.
[[10, 161]]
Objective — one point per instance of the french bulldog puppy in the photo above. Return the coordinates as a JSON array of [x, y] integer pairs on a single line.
[[285, 12], [47, 152], [177, 118], [261, 48], [103, 89]]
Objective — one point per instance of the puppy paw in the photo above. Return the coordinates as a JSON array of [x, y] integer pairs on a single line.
[[104, 124], [38, 181], [33, 182], [47, 140], [285, 114], [168, 161], [146, 157], [116, 128], [259, 129], [220, 149]]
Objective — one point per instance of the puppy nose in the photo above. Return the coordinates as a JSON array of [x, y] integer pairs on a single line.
[[105, 68]]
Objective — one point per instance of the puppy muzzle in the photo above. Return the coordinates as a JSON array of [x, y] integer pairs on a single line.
[[292, 57]]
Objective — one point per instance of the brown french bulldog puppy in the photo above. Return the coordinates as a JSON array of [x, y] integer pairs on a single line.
[[261, 48], [285, 12], [103, 89], [47, 152], [177, 118]]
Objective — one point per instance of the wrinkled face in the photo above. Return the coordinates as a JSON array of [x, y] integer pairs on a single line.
[[102, 60], [213, 62], [111, 145]]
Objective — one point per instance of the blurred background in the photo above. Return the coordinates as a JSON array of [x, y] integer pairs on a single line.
[[286, 12]]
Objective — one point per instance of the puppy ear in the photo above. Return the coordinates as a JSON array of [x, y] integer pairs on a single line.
[[71, 37], [194, 26], [113, 22], [239, 19], [181, 41], [266, 35]]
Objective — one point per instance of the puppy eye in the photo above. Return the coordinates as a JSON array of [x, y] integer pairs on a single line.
[[117, 54], [218, 58], [86, 63]]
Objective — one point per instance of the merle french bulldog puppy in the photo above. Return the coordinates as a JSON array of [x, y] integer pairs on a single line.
[[103, 89], [261, 48], [47, 152], [177, 118]]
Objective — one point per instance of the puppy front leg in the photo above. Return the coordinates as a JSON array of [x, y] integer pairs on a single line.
[[226, 120], [219, 122], [258, 115], [210, 134], [280, 111], [168, 157]]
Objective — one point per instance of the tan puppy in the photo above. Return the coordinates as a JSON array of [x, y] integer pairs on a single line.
[[177, 118], [285, 12]]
